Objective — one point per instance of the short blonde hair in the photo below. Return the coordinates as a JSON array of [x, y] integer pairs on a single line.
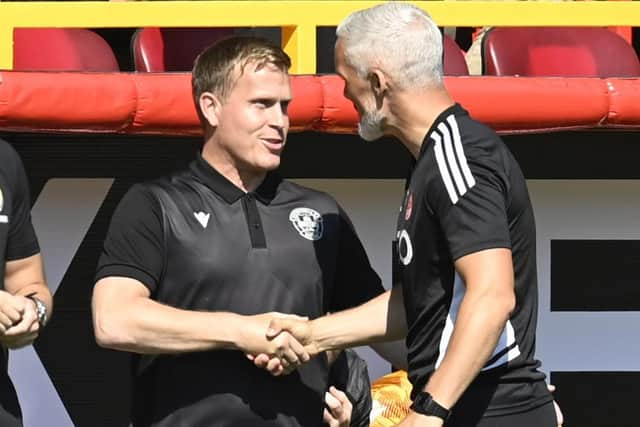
[[214, 69]]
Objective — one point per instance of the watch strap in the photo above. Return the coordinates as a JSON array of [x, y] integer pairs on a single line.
[[41, 309], [425, 404]]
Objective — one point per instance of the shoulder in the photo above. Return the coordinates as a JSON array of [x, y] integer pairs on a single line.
[[160, 188], [479, 141], [474, 136], [461, 141], [141, 197], [143, 190], [463, 152]]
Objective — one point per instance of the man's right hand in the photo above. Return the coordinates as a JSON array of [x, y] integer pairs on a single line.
[[11, 310], [280, 353], [298, 328]]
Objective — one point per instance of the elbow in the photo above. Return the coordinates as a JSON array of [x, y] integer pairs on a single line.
[[505, 304], [110, 331], [497, 304]]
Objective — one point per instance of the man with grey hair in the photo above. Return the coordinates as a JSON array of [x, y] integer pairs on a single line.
[[466, 259]]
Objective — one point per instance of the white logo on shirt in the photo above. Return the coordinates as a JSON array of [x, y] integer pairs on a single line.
[[203, 218], [405, 248], [307, 222]]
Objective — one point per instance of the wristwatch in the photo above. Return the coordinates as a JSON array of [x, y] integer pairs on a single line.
[[425, 405], [41, 309]]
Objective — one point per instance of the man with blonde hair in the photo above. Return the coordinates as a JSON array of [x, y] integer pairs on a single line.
[[193, 260]]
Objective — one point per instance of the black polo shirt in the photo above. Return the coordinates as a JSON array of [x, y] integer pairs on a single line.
[[466, 194], [17, 241], [200, 243]]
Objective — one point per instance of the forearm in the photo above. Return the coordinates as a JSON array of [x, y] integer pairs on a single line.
[[381, 319], [26, 277], [147, 326], [480, 321]]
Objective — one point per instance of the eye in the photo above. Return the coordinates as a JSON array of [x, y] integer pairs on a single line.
[[260, 103]]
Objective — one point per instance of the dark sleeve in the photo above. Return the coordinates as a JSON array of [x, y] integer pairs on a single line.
[[471, 207], [134, 246], [22, 241], [356, 282]]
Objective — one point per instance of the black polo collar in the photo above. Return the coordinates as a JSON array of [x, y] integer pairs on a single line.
[[455, 109], [218, 183]]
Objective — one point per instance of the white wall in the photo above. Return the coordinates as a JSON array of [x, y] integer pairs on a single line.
[[571, 209]]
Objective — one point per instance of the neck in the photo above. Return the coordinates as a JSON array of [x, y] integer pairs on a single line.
[[413, 112], [245, 179]]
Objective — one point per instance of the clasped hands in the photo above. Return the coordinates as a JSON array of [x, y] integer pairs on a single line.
[[19, 325], [285, 343]]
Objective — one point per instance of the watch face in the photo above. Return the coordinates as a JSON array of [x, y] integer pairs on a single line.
[[41, 311]]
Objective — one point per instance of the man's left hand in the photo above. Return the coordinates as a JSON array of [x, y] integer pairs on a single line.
[[418, 420], [339, 408]]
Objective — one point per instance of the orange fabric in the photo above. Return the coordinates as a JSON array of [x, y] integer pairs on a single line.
[[141, 103], [520, 104], [624, 107], [391, 399]]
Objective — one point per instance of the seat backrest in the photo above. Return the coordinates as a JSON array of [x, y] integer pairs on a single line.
[[172, 49], [558, 51], [61, 49], [454, 62]]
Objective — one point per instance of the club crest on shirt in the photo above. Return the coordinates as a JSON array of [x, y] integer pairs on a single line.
[[408, 206], [307, 222]]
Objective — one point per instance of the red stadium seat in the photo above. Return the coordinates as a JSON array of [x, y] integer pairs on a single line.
[[172, 49], [61, 49], [561, 51], [454, 62]]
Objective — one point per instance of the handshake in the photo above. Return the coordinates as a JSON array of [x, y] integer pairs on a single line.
[[279, 343]]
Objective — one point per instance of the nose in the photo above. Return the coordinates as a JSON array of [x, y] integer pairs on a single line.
[[278, 117]]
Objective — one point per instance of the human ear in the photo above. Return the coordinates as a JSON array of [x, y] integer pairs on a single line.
[[378, 82], [210, 108]]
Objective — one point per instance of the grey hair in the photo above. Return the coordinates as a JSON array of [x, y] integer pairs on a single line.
[[399, 38]]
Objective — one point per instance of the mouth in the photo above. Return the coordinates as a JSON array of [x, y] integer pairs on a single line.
[[275, 145]]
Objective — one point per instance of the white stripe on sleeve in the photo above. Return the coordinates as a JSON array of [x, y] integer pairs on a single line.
[[442, 166]]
